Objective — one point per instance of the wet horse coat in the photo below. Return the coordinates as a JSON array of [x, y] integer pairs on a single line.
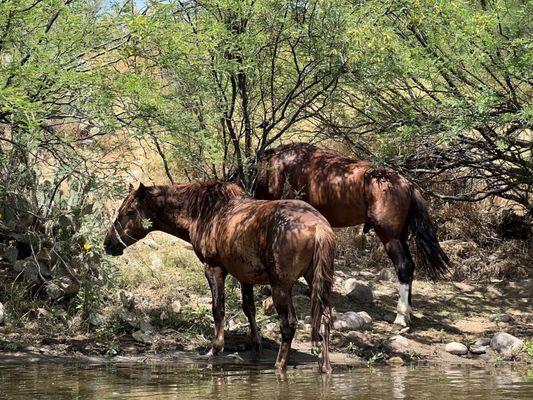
[[258, 242], [349, 192]]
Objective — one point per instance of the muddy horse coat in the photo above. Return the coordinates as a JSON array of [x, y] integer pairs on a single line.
[[349, 192], [258, 242]]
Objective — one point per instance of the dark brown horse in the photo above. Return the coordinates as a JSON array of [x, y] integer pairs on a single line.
[[258, 242], [349, 192]]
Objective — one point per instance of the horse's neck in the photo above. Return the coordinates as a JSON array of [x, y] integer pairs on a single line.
[[170, 220]]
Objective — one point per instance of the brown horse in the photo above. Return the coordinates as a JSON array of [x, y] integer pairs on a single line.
[[349, 192], [258, 242]]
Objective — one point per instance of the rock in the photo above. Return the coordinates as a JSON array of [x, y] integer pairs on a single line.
[[19, 265], [349, 284], [506, 343], [357, 337], [163, 316], [61, 287], [478, 349], [268, 306], [142, 337], [456, 348], [340, 273], [68, 285], [31, 272], [232, 325], [266, 290], [404, 330], [1, 314], [11, 254], [339, 263], [505, 318], [129, 319], [395, 361], [157, 262], [151, 243], [271, 326], [389, 317], [399, 343], [176, 307], [145, 326], [358, 291], [351, 320], [42, 313], [387, 274], [365, 275], [366, 318], [95, 319], [53, 291], [482, 342]]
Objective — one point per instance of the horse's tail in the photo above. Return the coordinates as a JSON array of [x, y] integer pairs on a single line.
[[430, 256], [323, 257]]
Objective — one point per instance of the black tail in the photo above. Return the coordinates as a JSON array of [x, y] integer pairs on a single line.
[[322, 282], [430, 256]]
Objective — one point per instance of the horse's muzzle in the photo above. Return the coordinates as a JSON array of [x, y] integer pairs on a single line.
[[114, 248]]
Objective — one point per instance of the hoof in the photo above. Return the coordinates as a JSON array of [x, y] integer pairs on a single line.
[[214, 352], [326, 369], [401, 321], [399, 329]]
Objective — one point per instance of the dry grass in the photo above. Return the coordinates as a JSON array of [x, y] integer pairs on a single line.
[[474, 238]]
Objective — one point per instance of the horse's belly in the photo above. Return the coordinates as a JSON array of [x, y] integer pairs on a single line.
[[342, 215], [246, 270]]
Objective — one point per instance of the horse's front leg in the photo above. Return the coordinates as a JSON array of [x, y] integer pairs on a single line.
[[283, 303], [216, 276], [248, 307]]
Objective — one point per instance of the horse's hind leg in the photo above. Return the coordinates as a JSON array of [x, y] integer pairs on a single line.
[[248, 307], [404, 269], [283, 303], [216, 276]]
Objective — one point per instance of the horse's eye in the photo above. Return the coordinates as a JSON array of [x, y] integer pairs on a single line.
[[130, 212]]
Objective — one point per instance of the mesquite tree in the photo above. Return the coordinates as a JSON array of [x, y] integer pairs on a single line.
[[236, 76], [443, 90]]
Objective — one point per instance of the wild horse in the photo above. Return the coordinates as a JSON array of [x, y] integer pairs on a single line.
[[258, 242], [349, 192]]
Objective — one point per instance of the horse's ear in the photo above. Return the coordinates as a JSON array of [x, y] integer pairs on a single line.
[[130, 188], [141, 191], [144, 190]]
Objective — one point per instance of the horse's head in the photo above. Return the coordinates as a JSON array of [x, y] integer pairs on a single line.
[[134, 220]]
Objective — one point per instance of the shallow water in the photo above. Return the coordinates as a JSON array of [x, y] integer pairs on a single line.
[[70, 381]]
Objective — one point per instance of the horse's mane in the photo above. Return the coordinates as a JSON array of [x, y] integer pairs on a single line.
[[203, 198]]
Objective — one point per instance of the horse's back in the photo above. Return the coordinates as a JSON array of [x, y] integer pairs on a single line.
[[331, 183], [258, 241]]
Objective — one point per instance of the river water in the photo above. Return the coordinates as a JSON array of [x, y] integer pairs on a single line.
[[71, 381]]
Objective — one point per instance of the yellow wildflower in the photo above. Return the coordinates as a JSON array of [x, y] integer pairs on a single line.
[[87, 246]]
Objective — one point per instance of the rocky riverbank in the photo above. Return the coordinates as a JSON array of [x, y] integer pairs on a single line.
[[162, 308]]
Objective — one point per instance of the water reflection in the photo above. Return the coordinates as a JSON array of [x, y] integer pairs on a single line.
[[398, 382], [52, 381]]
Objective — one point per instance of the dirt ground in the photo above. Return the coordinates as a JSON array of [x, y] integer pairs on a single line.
[[160, 270]]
